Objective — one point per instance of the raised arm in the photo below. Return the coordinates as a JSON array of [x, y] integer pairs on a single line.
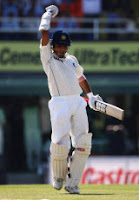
[[51, 12], [45, 37]]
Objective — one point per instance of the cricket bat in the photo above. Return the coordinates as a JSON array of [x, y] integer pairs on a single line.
[[109, 109]]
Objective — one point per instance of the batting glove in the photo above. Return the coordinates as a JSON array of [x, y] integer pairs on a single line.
[[93, 99], [51, 12], [53, 9]]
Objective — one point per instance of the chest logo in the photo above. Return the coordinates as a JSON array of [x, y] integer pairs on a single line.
[[73, 64]]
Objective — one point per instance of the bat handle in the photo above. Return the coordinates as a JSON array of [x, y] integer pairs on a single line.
[[87, 100]]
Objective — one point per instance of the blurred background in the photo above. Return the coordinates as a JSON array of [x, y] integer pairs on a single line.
[[105, 39]]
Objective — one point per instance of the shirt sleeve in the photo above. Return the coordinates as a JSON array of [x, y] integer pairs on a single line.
[[45, 53], [78, 68]]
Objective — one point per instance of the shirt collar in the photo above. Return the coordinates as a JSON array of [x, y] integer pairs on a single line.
[[56, 57]]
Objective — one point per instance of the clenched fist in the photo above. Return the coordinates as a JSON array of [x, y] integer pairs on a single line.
[[53, 9]]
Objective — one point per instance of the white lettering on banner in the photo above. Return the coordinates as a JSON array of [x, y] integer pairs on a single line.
[[119, 170]]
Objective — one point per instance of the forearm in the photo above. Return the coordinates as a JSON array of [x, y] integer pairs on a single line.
[[45, 37], [85, 86], [51, 12], [44, 27], [92, 98]]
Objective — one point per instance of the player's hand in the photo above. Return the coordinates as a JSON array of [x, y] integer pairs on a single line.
[[92, 100], [53, 9], [51, 12]]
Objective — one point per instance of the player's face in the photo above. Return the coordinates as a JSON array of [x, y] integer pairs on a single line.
[[60, 50]]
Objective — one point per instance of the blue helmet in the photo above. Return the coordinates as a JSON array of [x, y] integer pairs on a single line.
[[61, 38]]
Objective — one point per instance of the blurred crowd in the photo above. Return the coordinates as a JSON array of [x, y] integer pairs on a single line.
[[112, 10], [76, 8], [35, 8]]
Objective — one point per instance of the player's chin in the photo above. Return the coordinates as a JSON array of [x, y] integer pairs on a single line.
[[61, 55]]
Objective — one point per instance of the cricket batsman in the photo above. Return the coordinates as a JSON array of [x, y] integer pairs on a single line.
[[68, 114]]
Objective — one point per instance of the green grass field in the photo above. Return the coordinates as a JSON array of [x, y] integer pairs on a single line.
[[88, 192]]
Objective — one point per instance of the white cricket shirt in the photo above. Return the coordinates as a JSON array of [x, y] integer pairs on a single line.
[[62, 73]]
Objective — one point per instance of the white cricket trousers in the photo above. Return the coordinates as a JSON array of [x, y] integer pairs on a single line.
[[68, 118]]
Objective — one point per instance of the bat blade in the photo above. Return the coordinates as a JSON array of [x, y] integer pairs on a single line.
[[110, 109]]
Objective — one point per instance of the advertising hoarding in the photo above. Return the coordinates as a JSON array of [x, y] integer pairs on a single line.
[[93, 56], [111, 170]]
